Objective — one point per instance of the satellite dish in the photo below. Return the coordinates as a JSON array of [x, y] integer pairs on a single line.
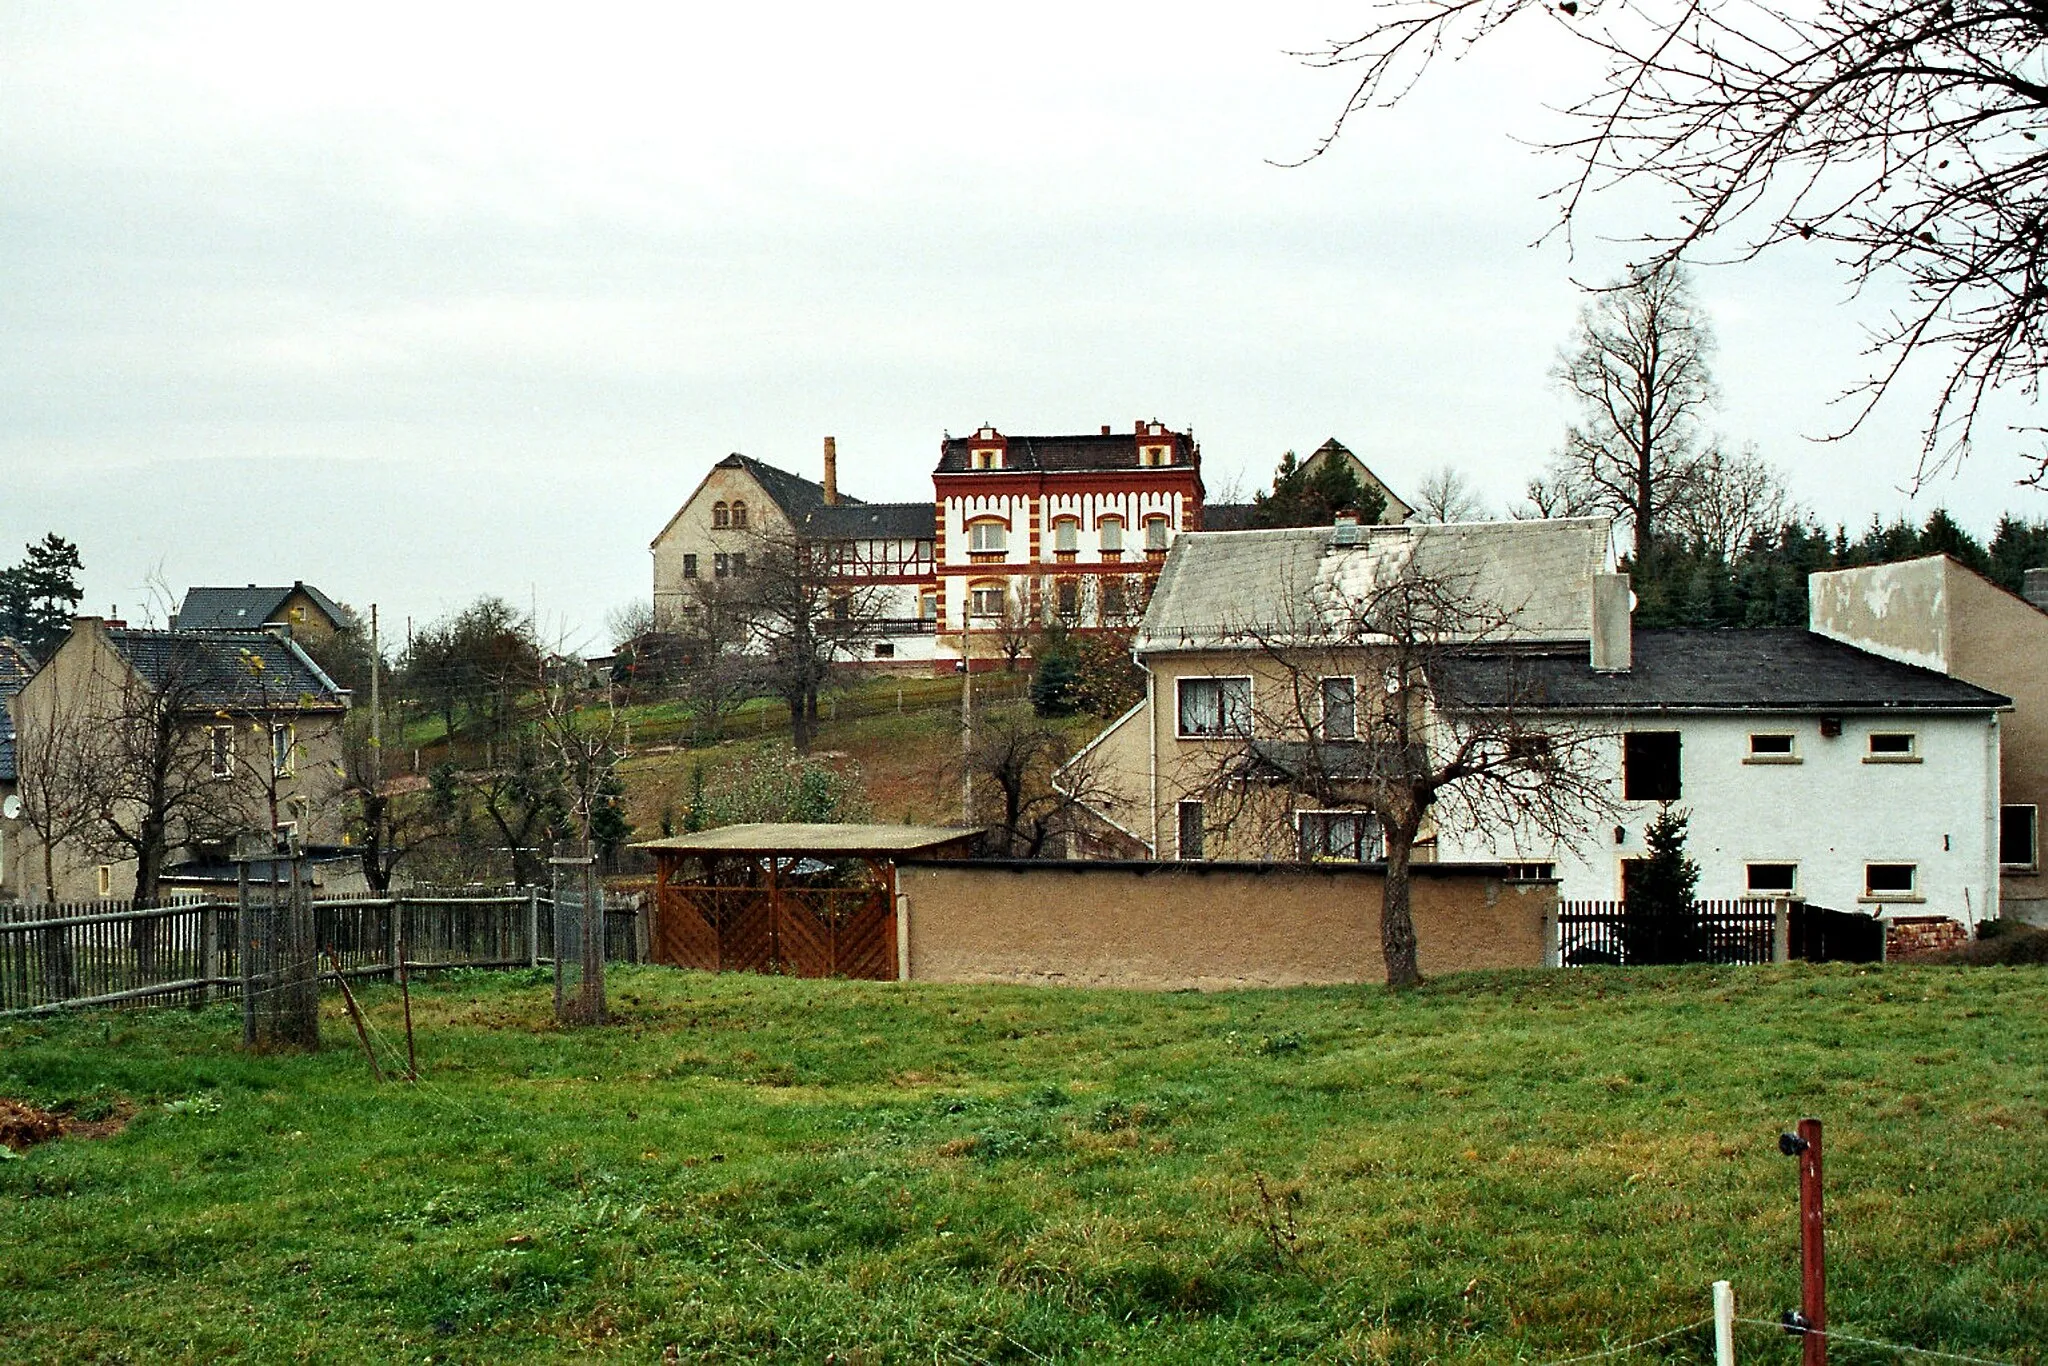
[[11, 808]]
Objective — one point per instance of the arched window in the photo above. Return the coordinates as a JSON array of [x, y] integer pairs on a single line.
[[739, 515], [721, 515], [988, 535], [1109, 533]]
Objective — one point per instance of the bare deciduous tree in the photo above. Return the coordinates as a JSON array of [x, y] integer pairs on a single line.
[[1447, 495], [1637, 365], [1900, 133], [804, 620], [1032, 792], [50, 753], [1733, 500], [1393, 739]]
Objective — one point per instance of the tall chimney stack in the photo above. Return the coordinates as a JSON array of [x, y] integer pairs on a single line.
[[831, 472], [1613, 646]]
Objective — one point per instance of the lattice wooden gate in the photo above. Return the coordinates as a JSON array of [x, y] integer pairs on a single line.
[[798, 931]]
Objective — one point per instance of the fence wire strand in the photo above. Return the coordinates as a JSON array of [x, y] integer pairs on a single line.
[[1835, 1335], [1632, 1346]]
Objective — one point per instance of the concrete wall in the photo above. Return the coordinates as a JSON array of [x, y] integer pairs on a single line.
[[1169, 926]]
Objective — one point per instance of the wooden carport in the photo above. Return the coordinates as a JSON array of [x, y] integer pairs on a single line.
[[736, 899]]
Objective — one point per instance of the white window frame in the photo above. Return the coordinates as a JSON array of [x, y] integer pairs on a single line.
[[1789, 755], [1909, 755], [1912, 893], [988, 536], [1109, 533], [1752, 892], [1229, 726], [1323, 707], [220, 742], [284, 763], [103, 879]]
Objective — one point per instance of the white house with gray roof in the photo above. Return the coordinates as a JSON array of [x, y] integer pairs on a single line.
[[1809, 767]]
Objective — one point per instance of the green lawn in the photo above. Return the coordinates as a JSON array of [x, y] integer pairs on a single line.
[[1514, 1167]]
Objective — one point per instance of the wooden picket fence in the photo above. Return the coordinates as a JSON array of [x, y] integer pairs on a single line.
[[99, 953]]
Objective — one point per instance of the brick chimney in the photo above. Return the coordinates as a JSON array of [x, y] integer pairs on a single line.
[[2034, 587], [1613, 638], [831, 472]]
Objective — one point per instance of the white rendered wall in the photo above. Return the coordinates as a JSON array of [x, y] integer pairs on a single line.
[[1830, 813]]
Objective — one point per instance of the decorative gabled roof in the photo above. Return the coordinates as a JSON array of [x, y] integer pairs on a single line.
[[1223, 590], [239, 670], [245, 609], [857, 521], [1779, 670], [1104, 451], [16, 664]]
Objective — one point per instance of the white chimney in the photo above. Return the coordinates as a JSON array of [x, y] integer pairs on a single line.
[[1613, 638], [831, 472]]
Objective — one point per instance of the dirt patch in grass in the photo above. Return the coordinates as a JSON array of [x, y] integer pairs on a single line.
[[22, 1125]]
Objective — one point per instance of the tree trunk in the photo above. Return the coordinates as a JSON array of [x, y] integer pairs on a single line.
[[1397, 926]]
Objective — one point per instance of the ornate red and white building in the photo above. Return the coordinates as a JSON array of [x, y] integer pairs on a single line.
[[1041, 528]]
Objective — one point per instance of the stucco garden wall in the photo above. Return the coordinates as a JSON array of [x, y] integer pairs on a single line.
[[1212, 926]]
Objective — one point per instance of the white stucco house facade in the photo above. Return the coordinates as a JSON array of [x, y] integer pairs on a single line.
[[1806, 767]]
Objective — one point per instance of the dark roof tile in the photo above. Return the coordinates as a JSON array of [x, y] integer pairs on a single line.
[[1111, 451], [241, 669], [244, 609], [1685, 671], [868, 521]]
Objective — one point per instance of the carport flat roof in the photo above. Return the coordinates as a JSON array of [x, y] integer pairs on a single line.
[[826, 840]]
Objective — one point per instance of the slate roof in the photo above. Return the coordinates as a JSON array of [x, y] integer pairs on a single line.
[[16, 664], [1783, 670], [857, 521], [793, 493], [1216, 586], [222, 668], [1110, 451], [243, 609], [1226, 516]]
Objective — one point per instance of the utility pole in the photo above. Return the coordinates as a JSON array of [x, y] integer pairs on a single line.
[[376, 703], [967, 711]]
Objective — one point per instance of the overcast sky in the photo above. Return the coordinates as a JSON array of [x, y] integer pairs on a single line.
[[419, 304]]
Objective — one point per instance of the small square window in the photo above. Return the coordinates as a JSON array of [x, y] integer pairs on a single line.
[[987, 537], [1890, 880], [885, 649], [1773, 879], [1892, 747], [1774, 747], [1650, 766]]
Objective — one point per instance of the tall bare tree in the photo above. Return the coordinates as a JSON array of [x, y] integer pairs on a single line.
[[1031, 790], [1447, 494], [1394, 739], [1637, 366], [1903, 134], [803, 620], [51, 759], [1732, 500]]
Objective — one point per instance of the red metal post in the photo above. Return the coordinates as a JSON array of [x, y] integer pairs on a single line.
[[1813, 1273]]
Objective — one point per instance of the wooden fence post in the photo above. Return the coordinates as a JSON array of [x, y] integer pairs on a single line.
[[209, 949], [245, 940], [394, 928], [533, 927]]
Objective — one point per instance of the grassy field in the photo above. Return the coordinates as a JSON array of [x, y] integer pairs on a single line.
[[1495, 1168]]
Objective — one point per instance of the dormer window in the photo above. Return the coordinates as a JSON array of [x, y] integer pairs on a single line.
[[1155, 455], [987, 459], [721, 515]]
